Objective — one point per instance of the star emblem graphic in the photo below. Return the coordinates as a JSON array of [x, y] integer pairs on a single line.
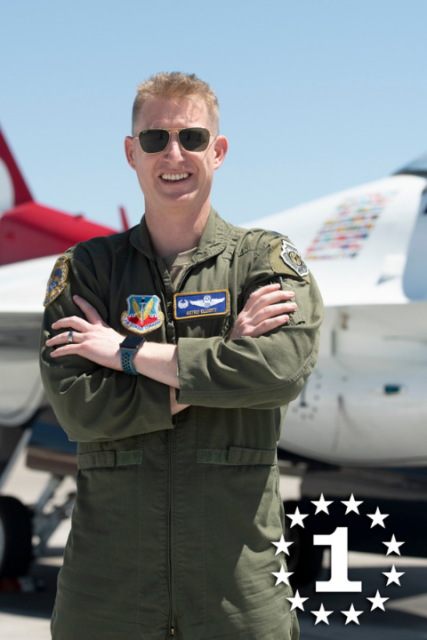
[[352, 505], [321, 615], [282, 576], [297, 518], [393, 576], [321, 505], [377, 602], [352, 615], [377, 518], [297, 601], [282, 545], [393, 546]]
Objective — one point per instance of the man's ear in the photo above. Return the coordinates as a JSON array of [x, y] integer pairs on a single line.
[[220, 148], [130, 151]]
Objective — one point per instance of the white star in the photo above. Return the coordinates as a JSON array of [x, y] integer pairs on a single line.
[[352, 505], [321, 505], [393, 546], [282, 576], [282, 545], [321, 615], [377, 602], [352, 615], [393, 576], [297, 601], [297, 518], [377, 518]]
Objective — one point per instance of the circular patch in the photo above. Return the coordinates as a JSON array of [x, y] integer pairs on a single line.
[[295, 258], [57, 281], [291, 256]]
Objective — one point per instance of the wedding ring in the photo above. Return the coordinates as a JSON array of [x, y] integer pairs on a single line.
[[70, 337]]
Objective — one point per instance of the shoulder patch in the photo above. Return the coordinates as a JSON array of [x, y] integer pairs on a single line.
[[57, 281], [285, 258]]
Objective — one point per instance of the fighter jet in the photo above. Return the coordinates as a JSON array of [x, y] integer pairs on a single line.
[[29, 230], [358, 425]]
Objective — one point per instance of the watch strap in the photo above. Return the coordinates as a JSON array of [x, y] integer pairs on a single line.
[[126, 362]]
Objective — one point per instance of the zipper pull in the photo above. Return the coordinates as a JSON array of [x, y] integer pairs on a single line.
[[172, 632], [277, 279]]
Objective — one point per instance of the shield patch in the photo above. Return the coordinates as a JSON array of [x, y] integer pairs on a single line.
[[143, 314], [57, 281], [292, 258]]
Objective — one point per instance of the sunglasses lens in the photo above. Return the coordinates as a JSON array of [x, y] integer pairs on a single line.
[[153, 140], [194, 139]]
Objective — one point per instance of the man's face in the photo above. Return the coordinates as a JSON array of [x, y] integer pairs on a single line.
[[175, 178]]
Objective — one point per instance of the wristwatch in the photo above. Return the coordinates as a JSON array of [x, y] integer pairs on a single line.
[[128, 347]]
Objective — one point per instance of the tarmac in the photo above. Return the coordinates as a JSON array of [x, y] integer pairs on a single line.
[[26, 616]]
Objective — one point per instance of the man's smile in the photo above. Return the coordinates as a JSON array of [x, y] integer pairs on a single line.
[[175, 176]]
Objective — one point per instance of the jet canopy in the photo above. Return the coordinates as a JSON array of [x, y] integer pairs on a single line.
[[417, 167]]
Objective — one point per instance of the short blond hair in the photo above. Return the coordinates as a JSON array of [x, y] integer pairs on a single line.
[[176, 85]]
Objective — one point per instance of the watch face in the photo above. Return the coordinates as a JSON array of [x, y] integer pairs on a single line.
[[132, 342]]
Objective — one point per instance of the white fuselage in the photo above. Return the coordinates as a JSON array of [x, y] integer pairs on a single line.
[[366, 402]]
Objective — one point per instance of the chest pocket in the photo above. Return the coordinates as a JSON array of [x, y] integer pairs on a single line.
[[203, 327], [203, 313]]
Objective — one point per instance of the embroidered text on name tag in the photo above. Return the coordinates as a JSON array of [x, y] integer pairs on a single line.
[[204, 303]]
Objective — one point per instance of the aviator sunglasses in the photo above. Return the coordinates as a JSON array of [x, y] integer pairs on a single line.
[[190, 139]]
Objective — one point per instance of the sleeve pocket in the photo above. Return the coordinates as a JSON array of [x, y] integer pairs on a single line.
[[297, 316]]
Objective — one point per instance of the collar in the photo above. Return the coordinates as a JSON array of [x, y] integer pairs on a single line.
[[212, 242]]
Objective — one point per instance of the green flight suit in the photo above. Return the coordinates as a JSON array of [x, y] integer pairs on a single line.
[[174, 518]]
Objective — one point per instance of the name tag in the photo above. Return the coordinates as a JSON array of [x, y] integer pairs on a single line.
[[202, 304]]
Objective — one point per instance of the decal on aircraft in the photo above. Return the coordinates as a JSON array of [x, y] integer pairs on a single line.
[[343, 235]]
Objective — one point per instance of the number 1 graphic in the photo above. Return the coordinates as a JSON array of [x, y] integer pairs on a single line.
[[339, 582]]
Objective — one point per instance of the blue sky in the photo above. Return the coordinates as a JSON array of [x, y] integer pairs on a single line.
[[315, 96]]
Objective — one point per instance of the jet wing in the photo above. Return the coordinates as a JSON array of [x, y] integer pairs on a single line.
[[22, 290]]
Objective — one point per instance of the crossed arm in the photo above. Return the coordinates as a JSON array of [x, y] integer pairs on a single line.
[[266, 309]]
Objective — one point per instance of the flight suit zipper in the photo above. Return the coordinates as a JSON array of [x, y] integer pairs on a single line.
[[170, 339], [167, 306], [184, 274], [170, 529]]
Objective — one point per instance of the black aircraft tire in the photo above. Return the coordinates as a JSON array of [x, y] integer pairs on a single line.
[[304, 560], [15, 538]]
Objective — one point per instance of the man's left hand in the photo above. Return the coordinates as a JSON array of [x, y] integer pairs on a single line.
[[92, 338]]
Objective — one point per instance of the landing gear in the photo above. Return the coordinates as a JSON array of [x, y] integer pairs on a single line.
[[20, 525], [15, 538], [304, 560]]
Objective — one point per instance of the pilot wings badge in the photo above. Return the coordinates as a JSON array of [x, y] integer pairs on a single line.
[[207, 302], [292, 258], [143, 314]]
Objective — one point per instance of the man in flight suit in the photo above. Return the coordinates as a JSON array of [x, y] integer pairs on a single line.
[[170, 353]]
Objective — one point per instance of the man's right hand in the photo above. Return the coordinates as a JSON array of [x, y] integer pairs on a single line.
[[266, 309], [175, 407]]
